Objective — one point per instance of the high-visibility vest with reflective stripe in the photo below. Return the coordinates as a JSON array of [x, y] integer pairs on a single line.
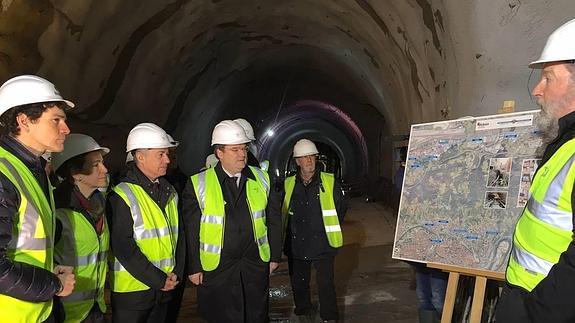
[[155, 233], [32, 239], [329, 213], [212, 223], [265, 165], [545, 227], [81, 247]]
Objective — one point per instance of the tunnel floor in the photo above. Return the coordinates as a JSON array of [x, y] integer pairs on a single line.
[[371, 287]]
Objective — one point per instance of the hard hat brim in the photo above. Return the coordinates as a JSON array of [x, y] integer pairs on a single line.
[[58, 163], [245, 141], [171, 145], [303, 155], [538, 64], [69, 103]]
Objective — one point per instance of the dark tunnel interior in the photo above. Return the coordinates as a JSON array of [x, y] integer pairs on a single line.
[[350, 74]]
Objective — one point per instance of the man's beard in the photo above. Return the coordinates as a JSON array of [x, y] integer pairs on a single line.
[[549, 125]]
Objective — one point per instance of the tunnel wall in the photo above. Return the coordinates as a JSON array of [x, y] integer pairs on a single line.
[[182, 63]]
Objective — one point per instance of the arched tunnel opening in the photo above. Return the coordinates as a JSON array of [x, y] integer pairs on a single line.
[[291, 94], [340, 142]]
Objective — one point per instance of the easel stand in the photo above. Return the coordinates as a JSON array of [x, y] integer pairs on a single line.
[[481, 277]]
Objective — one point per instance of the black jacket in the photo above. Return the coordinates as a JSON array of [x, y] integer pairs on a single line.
[[124, 246], [20, 280], [306, 238], [239, 245], [552, 299]]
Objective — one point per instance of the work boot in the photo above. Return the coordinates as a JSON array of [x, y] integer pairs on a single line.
[[427, 316]]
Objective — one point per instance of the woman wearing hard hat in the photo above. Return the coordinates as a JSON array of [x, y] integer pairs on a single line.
[[82, 235]]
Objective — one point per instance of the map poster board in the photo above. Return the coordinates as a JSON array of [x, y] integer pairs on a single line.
[[465, 185]]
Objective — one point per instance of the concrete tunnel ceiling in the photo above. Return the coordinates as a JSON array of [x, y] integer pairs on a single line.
[[186, 64]]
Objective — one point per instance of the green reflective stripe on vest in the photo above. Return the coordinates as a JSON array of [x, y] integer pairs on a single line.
[[289, 185], [263, 178], [212, 222], [532, 263], [157, 263], [215, 219], [155, 233], [330, 219], [265, 165], [91, 259], [544, 244], [333, 228], [544, 229], [210, 248], [27, 239], [259, 214], [201, 189], [521, 275], [140, 232], [329, 213], [262, 240], [257, 193], [33, 229], [82, 248], [550, 214]]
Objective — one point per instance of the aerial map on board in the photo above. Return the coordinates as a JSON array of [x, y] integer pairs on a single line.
[[466, 183]]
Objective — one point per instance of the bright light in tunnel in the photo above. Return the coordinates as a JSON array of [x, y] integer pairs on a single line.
[[319, 121]]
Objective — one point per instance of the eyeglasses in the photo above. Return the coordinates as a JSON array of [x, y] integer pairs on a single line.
[[238, 149], [310, 157]]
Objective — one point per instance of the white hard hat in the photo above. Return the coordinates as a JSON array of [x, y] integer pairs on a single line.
[[27, 89], [211, 161], [559, 46], [129, 157], [76, 144], [149, 135], [229, 132], [304, 147], [247, 128]]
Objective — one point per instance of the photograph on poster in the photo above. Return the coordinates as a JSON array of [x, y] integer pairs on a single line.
[[499, 172], [495, 200], [528, 168]]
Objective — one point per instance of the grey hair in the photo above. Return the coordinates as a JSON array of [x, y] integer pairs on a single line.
[[571, 68]]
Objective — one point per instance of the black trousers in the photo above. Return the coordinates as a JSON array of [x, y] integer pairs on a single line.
[[175, 303], [300, 273], [155, 314], [235, 295]]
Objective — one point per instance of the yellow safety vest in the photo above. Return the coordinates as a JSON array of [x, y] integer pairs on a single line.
[[545, 227], [329, 213], [212, 223], [32, 241], [82, 248], [155, 233]]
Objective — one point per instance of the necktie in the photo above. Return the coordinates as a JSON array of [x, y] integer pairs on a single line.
[[232, 186]]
